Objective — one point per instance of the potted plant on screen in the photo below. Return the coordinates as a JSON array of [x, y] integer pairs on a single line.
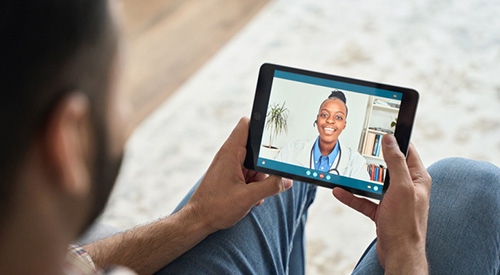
[[276, 123]]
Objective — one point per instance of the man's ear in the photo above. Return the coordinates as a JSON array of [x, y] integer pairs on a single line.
[[66, 143]]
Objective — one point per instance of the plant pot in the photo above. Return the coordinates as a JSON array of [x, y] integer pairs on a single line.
[[269, 153]]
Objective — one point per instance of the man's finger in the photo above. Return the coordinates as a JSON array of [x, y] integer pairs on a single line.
[[271, 186], [260, 176], [418, 173], [396, 161], [414, 161], [361, 205], [239, 135], [253, 176]]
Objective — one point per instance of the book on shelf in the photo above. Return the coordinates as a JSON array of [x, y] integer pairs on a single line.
[[370, 140], [376, 145], [373, 145], [377, 173]]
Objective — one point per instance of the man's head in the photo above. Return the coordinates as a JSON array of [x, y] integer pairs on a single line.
[[59, 119]]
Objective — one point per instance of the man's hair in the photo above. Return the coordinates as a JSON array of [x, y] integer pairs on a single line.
[[48, 48]]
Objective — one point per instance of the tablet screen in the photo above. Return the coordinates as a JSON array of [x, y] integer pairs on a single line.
[[327, 131]]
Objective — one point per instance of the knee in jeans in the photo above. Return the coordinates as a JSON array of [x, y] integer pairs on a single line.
[[447, 164], [465, 174], [465, 167]]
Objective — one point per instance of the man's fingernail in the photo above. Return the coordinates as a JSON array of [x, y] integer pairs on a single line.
[[287, 184]]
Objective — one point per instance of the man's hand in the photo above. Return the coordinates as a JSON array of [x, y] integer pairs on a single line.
[[225, 195], [228, 191], [401, 216]]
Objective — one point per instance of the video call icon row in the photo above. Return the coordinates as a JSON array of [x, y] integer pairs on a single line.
[[320, 175], [328, 177]]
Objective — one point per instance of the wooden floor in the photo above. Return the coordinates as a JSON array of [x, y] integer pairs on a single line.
[[168, 40]]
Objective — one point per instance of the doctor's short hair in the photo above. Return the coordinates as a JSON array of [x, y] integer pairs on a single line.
[[337, 94]]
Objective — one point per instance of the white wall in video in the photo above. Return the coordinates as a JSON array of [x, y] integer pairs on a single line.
[[303, 101]]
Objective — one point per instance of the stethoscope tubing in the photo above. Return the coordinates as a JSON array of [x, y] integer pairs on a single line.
[[336, 165]]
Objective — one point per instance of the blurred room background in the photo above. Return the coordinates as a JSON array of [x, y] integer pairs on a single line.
[[191, 69]]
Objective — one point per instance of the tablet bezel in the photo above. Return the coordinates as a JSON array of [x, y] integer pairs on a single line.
[[404, 126]]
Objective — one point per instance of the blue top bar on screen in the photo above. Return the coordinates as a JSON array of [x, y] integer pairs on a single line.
[[338, 85]]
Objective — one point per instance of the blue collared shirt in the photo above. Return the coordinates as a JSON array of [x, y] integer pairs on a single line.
[[324, 163]]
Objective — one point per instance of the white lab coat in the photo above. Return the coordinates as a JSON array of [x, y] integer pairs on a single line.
[[351, 164]]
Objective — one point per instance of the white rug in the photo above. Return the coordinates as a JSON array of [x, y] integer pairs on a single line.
[[449, 51]]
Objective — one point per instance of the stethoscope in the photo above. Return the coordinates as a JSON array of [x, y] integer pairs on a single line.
[[337, 159]]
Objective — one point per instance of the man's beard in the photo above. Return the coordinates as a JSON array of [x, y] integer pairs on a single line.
[[105, 172]]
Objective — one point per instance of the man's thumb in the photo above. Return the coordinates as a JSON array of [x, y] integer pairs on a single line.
[[394, 158]]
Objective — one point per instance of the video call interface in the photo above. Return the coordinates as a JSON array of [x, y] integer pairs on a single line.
[[302, 123]]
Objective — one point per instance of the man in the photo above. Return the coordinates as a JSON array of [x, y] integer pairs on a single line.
[[63, 130]]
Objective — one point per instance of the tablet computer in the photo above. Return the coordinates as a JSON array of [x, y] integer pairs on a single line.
[[325, 129]]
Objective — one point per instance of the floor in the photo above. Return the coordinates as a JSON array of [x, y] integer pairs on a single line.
[[168, 40]]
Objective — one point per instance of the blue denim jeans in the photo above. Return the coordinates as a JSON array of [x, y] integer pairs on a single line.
[[463, 232]]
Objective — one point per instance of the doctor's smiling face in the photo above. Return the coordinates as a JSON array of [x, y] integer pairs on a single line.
[[331, 121]]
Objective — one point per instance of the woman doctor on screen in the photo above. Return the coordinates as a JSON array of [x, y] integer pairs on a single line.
[[326, 153]]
